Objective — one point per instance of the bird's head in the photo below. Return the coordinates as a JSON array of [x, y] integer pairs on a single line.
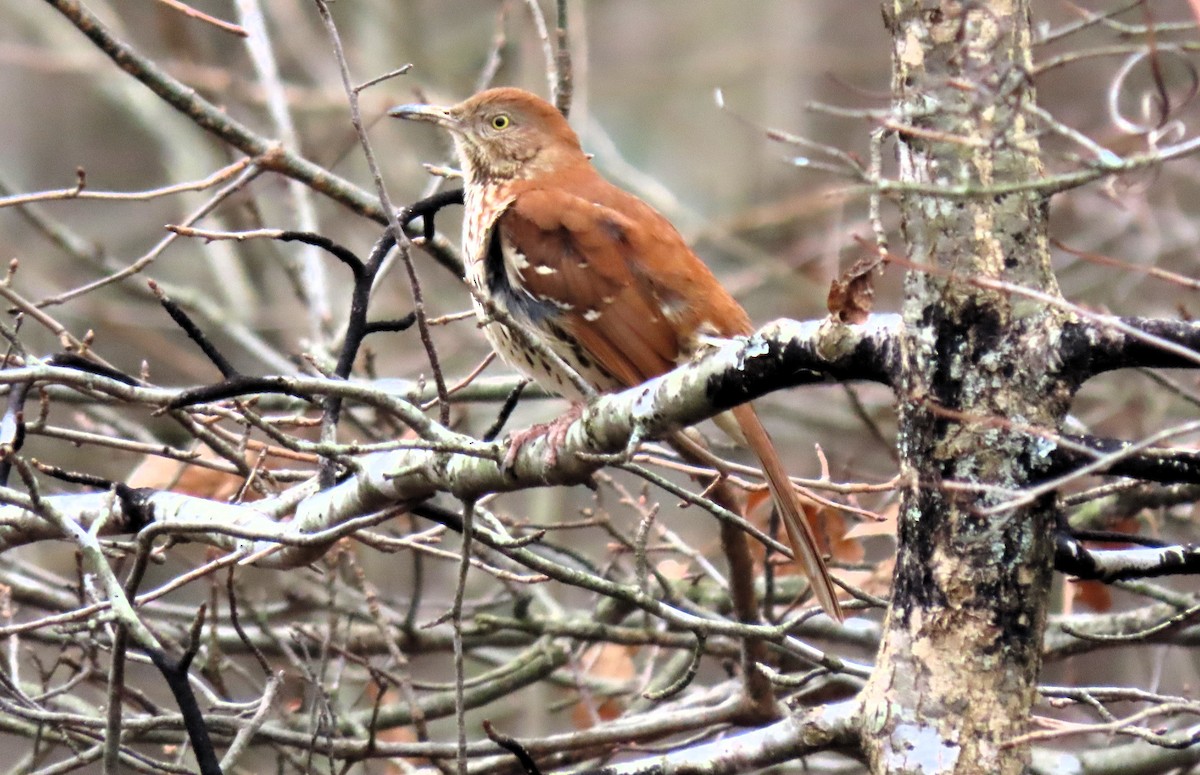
[[503, 134]]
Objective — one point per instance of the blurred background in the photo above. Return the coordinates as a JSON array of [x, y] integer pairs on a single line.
[[773, 227], [645, 77]]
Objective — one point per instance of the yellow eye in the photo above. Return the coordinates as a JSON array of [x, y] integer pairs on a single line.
[[501, 121]]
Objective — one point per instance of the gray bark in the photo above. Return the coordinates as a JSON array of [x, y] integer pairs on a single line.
[[957, 670]]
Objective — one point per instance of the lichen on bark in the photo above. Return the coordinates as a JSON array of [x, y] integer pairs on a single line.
[[957, 671]]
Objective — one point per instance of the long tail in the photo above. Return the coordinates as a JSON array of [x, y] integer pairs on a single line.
[[792, 510]]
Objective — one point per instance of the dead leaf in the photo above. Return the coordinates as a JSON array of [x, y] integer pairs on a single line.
[[870, 528], [756, 498], [852, 295], [1096, 595], [673, 570], [404, 734], [612, 663], [160, 473], [829, 524], [843, 547], [191, 478]]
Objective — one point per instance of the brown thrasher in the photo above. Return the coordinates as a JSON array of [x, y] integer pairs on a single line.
[[593, 272]]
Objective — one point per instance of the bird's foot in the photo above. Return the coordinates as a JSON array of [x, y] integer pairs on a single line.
[[554, 431], [617, 458]]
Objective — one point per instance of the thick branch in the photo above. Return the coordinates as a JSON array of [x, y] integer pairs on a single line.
[[820, 729], [783, 353], [1168, 466], [1092, 347], [1072, 557], [1129, 759]]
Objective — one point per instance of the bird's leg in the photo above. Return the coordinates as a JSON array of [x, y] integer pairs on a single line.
[[555, 432]]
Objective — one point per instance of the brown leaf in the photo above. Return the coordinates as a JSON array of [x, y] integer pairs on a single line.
[[673, 570], [843, 547], [829, 524], [756, 498], [189, 478], [160, 473], [1096, 595], [402, 734], [611, 662], [882, 527], [852, 295]]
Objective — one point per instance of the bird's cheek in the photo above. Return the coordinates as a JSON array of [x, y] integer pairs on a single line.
[[464, 147]]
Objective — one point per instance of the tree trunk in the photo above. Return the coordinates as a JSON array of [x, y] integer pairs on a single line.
[[957, 672]]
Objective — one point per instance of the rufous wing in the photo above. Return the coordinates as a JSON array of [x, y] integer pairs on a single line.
[[634, 299], [579, 256]]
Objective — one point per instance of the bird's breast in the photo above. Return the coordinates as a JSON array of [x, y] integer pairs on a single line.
[[494, 265], [482, 206]]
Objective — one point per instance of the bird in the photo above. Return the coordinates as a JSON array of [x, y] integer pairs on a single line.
[[593, 273]]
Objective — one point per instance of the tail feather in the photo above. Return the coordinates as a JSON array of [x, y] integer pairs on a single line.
[[792, 510]]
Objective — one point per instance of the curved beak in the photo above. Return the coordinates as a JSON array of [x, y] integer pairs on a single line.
[[430, 113]]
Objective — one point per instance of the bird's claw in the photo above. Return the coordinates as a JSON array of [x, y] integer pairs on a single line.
[[554, 431]]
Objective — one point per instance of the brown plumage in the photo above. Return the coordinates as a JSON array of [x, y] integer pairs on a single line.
[[595, 273]]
